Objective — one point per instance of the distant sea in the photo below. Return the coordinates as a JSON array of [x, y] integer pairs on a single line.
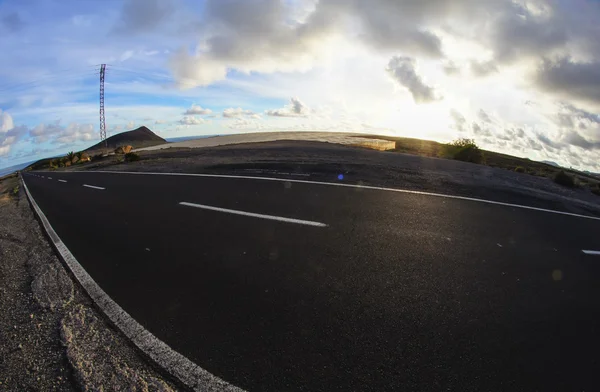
[[186, 138], [7, 170]]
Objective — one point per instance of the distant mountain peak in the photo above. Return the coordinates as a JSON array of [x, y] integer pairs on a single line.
[[551, 163], [138, 138]]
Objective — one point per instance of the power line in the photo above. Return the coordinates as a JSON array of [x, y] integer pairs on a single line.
[[48, 76], [142, 73], [46, 82]]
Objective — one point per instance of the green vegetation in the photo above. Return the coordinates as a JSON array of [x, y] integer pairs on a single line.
[[564, 179], [79, 155], [520, 169], [15, 191], [131, 157], [463, 150], [70, 156]]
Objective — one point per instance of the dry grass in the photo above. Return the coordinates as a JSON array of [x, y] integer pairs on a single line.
[[9, 187]]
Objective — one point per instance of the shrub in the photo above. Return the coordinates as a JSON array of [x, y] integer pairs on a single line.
[[131, 157], [564, 179], [520, 169], [463, 150]]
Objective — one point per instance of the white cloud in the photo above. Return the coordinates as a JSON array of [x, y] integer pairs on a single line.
[[130, 125], [57, 134], [197, 110], [237, 113], [6, 122], [192, 120], [9, 134], [160, 122], [295, 109], [76, 133]]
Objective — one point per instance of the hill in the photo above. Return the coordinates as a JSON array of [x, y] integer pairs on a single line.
[[430, 148], [138, 138], [551, 163]]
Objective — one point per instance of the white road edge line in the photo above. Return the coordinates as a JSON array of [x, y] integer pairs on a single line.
[[174, 363], [591, 252], [255, 215], [62, 180], [93, 187], [355, 186]]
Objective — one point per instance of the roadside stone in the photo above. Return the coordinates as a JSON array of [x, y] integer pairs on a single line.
[[53, 288], [96, 367]]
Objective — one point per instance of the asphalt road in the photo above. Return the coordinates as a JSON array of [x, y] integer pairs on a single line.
[[370, 291]]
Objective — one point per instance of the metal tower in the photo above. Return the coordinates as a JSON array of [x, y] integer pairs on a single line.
[[102, 119]]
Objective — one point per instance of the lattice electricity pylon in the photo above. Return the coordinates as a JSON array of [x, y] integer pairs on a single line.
[[102, 118]]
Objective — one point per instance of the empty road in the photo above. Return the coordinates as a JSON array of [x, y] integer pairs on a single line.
[[292, 286]]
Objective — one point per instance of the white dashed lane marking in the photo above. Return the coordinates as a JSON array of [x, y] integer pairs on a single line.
[[591, 252], [62, 181], [93, 187], [254, 215]]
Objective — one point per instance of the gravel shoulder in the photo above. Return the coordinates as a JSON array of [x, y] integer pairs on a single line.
[[51, 336]]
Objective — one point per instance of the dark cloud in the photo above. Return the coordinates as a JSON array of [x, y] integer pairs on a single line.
[[575, 139], [569, 79], [479, 131], [549, 143], [459, 121], [534, 145], [402, 70], [483, 116], [451, 69], [143, 16], [573, 121], [511, 134], [481, 69], [519, 33]]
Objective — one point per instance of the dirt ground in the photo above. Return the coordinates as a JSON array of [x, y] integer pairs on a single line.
[[51, 336], [320, 161]]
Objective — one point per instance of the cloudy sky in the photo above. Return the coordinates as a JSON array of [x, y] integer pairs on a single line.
[[519, 76]]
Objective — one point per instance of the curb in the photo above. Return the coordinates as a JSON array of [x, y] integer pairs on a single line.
[[175, 364]]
